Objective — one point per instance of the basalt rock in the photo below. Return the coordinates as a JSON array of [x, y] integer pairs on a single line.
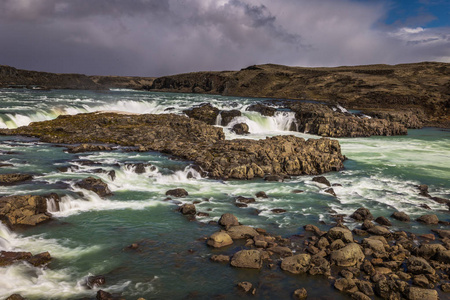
[[227, 220], [401, 216], [362, 214], [348, 256], [322, 120], [322, 180], [428, 219], [88, 148], [95, 185], [195, 141], [204, 112], [262, 109], [24, 210], [180, 193], [7, 179], [240, 128], [247, 259], [9, 257], [228, 115], [296, 264]]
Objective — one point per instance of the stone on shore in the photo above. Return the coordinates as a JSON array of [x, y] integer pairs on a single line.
[[247, 259], [296, 264], [362, 214], [347, 256], [227, 220], [219, 239], [300, 294], [241, 232], [401, 216], [428, 219]]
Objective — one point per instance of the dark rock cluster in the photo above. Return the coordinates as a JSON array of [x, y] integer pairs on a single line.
[[195, 141]]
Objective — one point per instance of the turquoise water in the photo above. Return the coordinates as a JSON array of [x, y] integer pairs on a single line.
[[90, 235]]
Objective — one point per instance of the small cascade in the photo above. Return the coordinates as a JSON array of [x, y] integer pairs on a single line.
[[186, 175], [5, 237], [284, 120], [219, 119], [257, 123]]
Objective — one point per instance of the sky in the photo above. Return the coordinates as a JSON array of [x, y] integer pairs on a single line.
[[163, 37]]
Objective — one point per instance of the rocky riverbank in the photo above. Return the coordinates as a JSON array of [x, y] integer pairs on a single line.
[[370, 261], [193, 140], [420, 89]]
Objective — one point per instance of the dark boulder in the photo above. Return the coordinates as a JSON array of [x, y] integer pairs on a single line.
[[240, 128], [245, 200], [401, 216], [88, 148], [262, 109], [228, 115], [321, 180], [8, 179], [204, 112], [95, 185], [428, 219], [383, 221], [15, 297], [250, 259], [261, 195], [40, 259], [300, 294], [227, 220], [362, 214], [93, 282], [330, 191], [188, 209], [180, 193]]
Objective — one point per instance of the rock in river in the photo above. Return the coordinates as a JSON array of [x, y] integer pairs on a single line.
[[95, 185], [24, 210], [196, 141]]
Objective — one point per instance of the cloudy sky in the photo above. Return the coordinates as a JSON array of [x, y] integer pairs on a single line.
[[161, 37]]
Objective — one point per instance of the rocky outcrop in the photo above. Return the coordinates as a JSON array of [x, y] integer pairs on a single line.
[[392, 266], [227, 116], [88, 148], [9, 257], [315, 118], [391, 92], [204, 112], [195, 141], [24, 210], [95, 185], [250, 259], [8, 179]]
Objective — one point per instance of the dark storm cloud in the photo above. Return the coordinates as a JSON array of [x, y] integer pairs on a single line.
[[157, 37]]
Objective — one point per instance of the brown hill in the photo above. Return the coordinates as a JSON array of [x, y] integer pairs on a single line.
[[12, 77], [423, 88]]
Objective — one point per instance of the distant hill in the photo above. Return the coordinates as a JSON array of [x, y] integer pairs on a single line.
[[12, 77], [421, 86]]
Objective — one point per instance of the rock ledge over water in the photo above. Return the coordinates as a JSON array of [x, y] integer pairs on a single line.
[[195, 141]]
